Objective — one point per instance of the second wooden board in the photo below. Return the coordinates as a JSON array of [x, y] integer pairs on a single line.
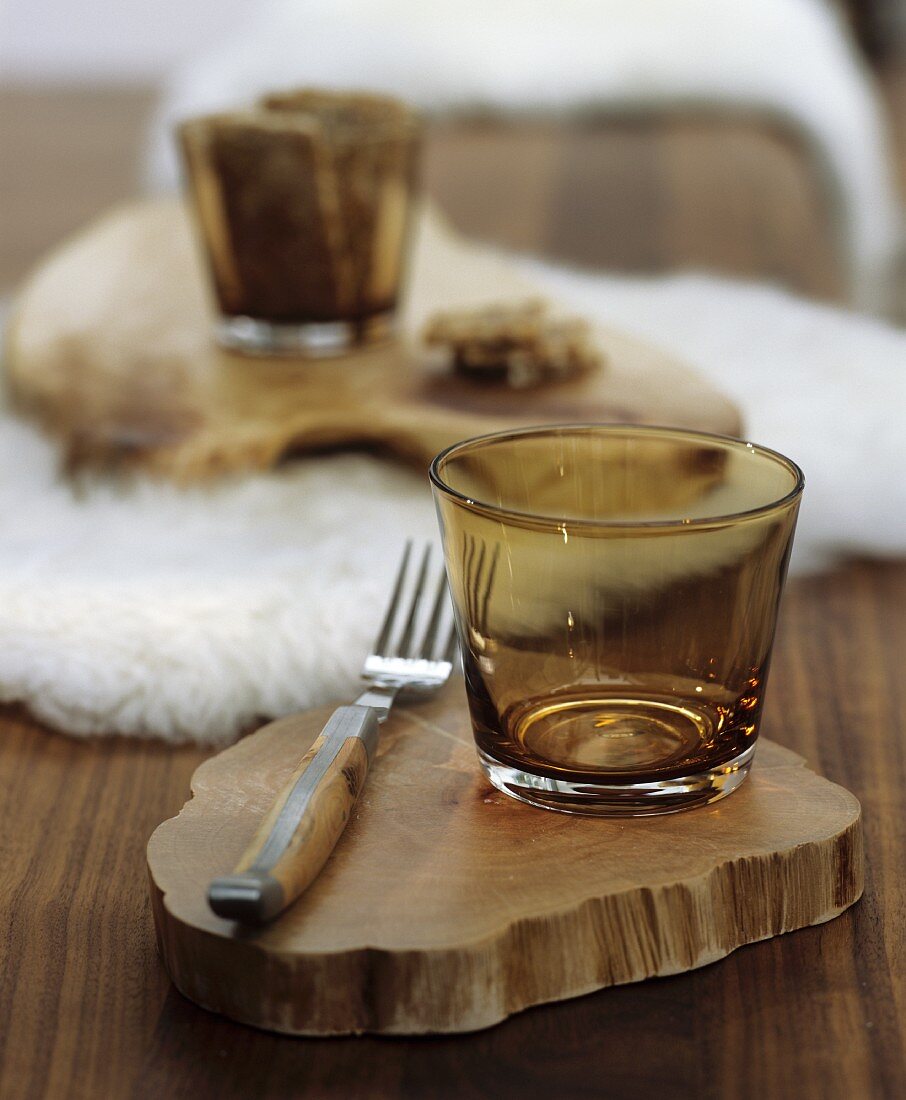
[[111, 349]]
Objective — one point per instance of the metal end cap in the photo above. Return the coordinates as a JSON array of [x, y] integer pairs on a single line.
[[251, 897]]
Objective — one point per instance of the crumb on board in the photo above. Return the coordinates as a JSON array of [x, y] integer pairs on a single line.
[[521, 344]]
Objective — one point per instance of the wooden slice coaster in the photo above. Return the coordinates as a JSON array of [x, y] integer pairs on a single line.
[[111, 349], [448, 906]]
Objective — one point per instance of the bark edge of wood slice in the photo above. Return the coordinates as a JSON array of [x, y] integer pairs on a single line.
[[447, 906]]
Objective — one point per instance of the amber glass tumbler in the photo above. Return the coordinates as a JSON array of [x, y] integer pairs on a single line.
[[616, 592]]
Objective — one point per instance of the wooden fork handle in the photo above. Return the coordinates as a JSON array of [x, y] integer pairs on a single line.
[[303, 825]]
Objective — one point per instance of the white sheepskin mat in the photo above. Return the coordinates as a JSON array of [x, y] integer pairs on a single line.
[[790, 61], [149, 611]]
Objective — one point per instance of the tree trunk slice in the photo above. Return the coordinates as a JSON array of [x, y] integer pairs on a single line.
[[111, 349], [447, 906]]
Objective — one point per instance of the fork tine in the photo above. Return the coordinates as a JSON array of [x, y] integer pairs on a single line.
[[380, 645], [440, 600], [404, 647]]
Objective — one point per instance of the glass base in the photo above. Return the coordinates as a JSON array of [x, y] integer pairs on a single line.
[[602, 799], [310, 340]]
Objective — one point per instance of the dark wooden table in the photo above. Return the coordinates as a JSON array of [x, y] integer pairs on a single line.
[[86, 1009]]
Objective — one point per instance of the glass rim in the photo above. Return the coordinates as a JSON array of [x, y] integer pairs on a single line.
[[495, 511]]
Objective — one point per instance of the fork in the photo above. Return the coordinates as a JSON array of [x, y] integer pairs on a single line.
[[305, 822]]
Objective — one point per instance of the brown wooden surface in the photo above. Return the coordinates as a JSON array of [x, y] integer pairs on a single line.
[[680, 192], [448, 906], [86, 1009], [724, 191], [68, 153], [110, 348], [636, 194]]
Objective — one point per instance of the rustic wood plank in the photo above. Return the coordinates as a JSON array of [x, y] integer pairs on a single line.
[[448, 906], [110, 347], [618, 192], [721, 191], [86, 1009], [81, 985], [68, 153]]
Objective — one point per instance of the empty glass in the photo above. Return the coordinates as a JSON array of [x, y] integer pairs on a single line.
[[616, 591]]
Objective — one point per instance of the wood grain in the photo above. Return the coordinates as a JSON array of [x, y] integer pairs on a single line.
[[110, 347], [641, 191], [627, 193], [87, 1010], [515, 905]]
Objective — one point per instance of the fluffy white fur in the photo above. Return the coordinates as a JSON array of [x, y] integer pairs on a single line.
[[823, 385], [787, 59], [146, 610]]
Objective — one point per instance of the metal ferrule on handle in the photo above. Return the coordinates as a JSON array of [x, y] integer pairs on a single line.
[[304, 824]]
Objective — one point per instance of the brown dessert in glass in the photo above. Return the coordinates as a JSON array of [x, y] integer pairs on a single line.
[[304, 205]]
